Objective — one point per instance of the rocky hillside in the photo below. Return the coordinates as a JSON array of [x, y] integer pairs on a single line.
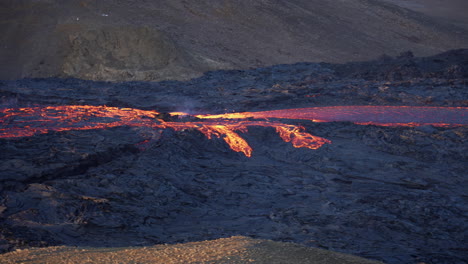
[[449, 10], [177, 39]]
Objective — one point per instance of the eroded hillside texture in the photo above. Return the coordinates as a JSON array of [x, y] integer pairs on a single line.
[[122, 40]]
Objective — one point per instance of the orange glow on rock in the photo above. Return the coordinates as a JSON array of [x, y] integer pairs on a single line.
[[377, 115], [29, 121], [300, 139], [233, 139], [178, 114]]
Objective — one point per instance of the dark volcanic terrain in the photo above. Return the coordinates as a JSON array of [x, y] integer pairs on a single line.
[[395, 194]]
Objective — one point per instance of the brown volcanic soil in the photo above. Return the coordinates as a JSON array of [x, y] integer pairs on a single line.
[[234, 250], [155, 40]]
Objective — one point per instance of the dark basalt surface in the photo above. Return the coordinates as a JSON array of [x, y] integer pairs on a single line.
[[392, 194]]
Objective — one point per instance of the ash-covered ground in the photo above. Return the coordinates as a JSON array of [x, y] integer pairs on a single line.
[[396, 194]]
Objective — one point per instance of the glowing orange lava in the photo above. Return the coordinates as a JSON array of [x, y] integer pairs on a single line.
[[29, 121], [376, 115]]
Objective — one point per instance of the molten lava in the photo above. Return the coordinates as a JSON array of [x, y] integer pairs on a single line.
[[376, 115], [29, 121]]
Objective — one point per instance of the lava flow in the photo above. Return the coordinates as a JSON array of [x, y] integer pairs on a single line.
[[29, 121], [364, 115]]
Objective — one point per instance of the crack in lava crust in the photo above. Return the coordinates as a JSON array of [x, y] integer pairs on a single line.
[[29, 121]]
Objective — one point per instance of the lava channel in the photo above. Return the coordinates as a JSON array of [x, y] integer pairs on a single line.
[[364, 115], [29, 121]]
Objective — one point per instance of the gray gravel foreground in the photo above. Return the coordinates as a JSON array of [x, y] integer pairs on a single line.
[[237, 249]]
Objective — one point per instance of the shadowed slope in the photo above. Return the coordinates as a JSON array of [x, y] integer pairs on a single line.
[[146, 40]]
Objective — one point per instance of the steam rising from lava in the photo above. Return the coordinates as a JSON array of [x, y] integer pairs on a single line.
[[28, 121]]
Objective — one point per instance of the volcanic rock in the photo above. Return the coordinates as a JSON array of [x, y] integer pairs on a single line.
[[395, 194], [145, 40]]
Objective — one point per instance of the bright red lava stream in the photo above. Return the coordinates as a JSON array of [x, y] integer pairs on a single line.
[[29, 121]]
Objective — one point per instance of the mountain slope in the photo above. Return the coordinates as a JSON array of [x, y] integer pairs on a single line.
[[147, 40]]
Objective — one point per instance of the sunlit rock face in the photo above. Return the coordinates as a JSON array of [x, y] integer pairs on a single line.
[[145, 40], [121, 53]]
